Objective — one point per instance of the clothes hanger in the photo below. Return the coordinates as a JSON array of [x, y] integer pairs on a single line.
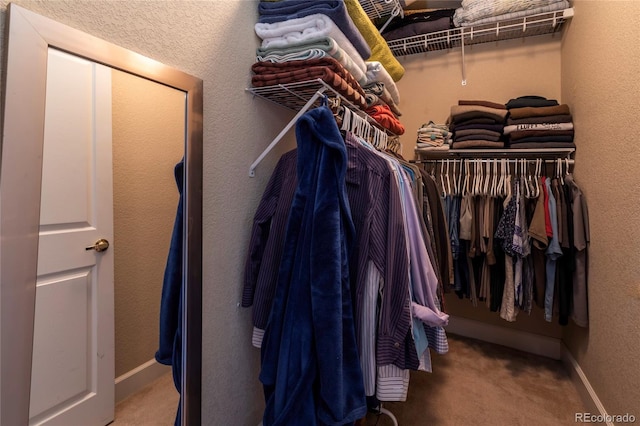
[[508, 181], [454, 176], [465, 185], [539, 163], [460, 178], [442, 184], [494, 179], [346, 119], [488, 178], [448, 176]]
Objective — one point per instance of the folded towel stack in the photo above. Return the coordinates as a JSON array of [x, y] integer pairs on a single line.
[[537, 122], [333, 39], [477, 124]]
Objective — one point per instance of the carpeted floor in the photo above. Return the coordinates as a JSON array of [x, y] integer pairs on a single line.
[[476, 383], [480, 384], [154, 405]]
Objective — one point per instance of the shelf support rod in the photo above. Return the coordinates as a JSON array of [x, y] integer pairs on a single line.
[[284, 131], [464, 72], [397, 10]]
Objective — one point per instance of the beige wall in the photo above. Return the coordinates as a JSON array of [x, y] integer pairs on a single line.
[[600, 66], [213, 40], [148, 140], [496, 72]]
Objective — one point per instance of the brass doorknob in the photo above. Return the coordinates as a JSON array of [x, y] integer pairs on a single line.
[[100, 245]]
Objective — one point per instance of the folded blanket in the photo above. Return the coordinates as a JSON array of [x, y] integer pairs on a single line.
[[472, 12], [316, 48], [530, 101], [483, 132], [473, 121], [377, 88], [519, 15], [464, 112], [479, 143], [420, 149], [296, 31], [543, 145], [493, 127], [537, 127], [417, 28], [376, 72], [525, 112], [491, 138], [271, 12], [380, 51], [332, 64], [383, 115], [482, 103], [550, 138], [311, 73], [376, 100], [561, 118]]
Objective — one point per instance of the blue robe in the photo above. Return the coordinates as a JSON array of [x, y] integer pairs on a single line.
[[310, 367], [170, 342]]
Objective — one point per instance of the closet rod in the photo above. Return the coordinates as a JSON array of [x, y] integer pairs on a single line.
[[284, 131], [491, 160]]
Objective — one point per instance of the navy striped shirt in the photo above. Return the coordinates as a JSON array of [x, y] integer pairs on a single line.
[[377, 214]]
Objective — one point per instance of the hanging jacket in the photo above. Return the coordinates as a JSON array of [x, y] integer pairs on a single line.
[[310, 367], [170, 343]]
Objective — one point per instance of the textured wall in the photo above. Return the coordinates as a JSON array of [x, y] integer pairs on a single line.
[[148, 140], [600, 63], [496, 72], [215, 41]]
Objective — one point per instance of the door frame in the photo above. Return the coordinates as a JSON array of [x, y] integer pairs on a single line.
[[29, 37]]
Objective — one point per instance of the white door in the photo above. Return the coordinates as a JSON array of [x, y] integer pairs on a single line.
[[73, 353]]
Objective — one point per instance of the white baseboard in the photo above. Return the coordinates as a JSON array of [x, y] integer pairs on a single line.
[[134, 380], [589, 397], [516, 339]]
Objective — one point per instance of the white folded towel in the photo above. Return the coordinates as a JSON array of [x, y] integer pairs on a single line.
[[294, 31], [377, 72]]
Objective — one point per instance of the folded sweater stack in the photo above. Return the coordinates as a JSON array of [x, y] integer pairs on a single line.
[[537, 122], [433, 137], [477, 124]]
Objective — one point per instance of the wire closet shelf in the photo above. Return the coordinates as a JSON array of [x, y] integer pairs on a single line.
[[527, 26]]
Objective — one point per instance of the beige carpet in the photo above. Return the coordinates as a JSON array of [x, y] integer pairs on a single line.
[[476, 383], [154, 405], [479, 384]]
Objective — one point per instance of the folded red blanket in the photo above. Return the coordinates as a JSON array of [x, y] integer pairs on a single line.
[[311, 73], [331, 63], [386, 118]]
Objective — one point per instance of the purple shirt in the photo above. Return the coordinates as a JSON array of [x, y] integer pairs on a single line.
[[378, 219]]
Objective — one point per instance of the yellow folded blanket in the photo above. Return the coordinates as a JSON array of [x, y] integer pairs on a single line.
[[379, 49]]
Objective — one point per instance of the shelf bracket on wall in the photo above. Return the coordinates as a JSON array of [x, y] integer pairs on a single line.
[[284, 131], [396, 11], [464, 71]]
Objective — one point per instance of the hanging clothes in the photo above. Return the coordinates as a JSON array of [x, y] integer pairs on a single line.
[[310, 367], [527, 249], [170, 342], [393, 265]]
